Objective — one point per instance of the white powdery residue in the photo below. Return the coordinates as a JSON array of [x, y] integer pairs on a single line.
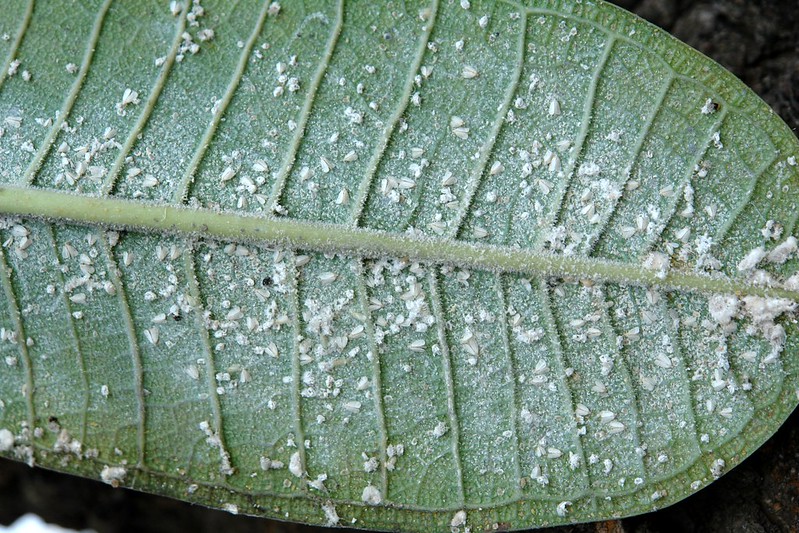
[[589, 169], [723, 308], [113, 475], [371, 495], [752, 259], [216, 442], [766, 310]]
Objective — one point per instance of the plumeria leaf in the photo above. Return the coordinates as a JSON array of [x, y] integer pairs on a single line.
[[417, 266]]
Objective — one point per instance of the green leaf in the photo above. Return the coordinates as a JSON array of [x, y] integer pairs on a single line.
[[411, 266]]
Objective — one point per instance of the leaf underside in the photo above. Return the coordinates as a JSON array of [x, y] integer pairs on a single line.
[[554, 282]]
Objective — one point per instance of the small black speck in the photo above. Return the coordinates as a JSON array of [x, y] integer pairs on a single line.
[[267, 281]]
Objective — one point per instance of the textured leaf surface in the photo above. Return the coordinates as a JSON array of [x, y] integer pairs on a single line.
[[514, 284]]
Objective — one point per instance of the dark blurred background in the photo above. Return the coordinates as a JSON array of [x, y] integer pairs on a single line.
[[758, 40]]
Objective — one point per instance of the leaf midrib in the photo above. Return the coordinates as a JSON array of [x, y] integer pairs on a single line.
[[196, 222]]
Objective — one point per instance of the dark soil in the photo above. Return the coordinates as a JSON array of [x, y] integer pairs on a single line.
[[759, 41]]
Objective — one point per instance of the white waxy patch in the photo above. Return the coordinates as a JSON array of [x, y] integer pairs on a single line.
[[231, 508], [659, 262], [371, 495], [270, 464], [752, 259], [6, 440], [295, 465], [331, 516], [440, 430], [783, 251], [113, 475], [710, 107], [458, 519], [723, 308]]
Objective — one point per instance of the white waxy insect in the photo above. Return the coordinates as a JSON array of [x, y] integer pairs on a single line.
[[417, 345], [325, 164], [663, 361], [351, 156], [228, 174], [554, 107], [130, 97], [469, 72], [606, 417], [479, 233], [496, 168], [260, 166], [234, 314], [615, 427], [554, 164], [328, 277], [343, 197], [554, 453], [152, 335], [79, 298], [458, 127], [683, 234], [271, 350]]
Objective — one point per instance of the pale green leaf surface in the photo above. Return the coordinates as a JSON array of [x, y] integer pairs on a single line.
[[391, 265]]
